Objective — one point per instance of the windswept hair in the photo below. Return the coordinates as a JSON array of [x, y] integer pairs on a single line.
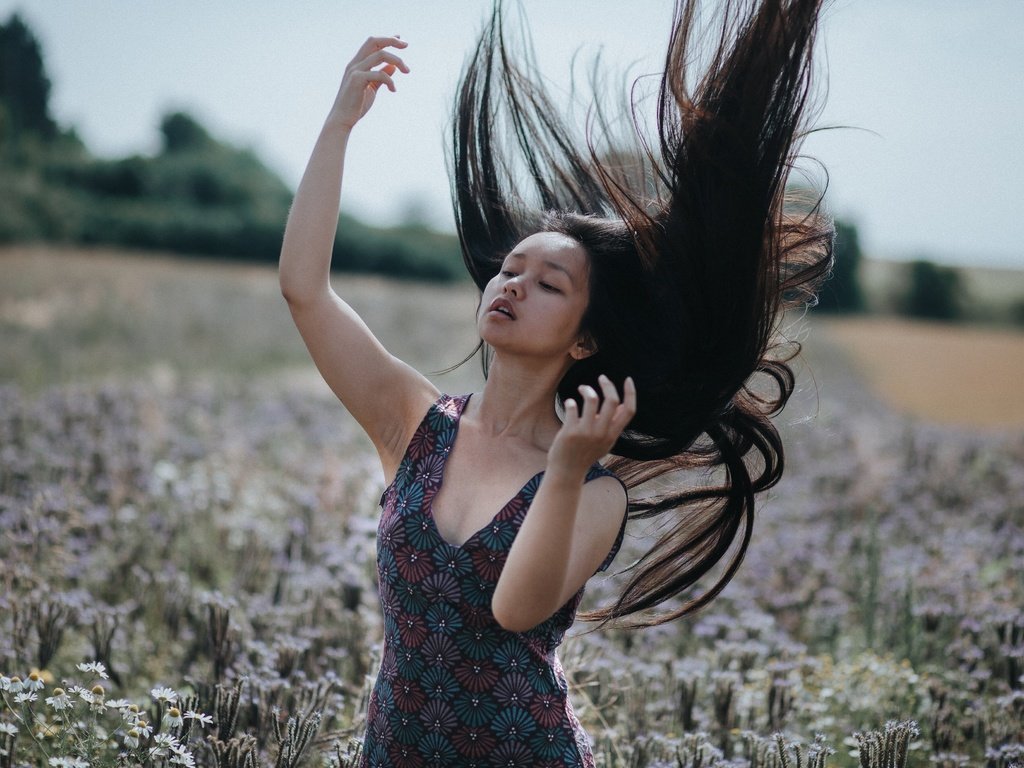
[[695, 252]]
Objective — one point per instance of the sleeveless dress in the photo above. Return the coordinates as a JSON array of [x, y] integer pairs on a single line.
[[454, 687]]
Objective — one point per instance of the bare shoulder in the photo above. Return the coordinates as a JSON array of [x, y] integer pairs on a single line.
[[603, 506], [606, 490]]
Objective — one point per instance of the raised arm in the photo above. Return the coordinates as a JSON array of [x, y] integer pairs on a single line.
[[386, 396], [570, 527]]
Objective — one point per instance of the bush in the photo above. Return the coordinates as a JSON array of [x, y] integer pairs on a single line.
[[1017, 312], [197, 196], [933, 292], [842, 292]]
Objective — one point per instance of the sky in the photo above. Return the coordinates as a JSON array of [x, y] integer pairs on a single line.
[[930, 163]]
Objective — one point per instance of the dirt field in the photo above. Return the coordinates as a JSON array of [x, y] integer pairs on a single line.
[[948, 374]]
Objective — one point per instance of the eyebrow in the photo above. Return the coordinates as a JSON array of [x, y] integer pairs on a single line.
[[548, 263]]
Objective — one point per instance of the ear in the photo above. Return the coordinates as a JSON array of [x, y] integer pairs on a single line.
[[585, 347]]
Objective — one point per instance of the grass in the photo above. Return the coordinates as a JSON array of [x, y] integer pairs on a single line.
[[142, 504], [73, 315]]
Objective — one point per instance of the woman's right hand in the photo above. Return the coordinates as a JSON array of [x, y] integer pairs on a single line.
[[361, 80]]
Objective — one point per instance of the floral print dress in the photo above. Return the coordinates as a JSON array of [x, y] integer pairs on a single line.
[[454, 687]]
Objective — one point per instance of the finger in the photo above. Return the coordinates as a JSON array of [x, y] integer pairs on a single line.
[[572, 412], [388, 70], [610, 394], [629, 390], [377, 78], [376, 43], [382, 57], [627, 408], [590, 401]]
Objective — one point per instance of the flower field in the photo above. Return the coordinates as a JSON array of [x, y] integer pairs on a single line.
[[187, 549]]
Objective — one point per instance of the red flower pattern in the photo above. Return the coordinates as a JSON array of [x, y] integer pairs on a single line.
[[438, 625]]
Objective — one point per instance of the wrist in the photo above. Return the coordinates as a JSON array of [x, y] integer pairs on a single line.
[[336, 127], [562, 477]]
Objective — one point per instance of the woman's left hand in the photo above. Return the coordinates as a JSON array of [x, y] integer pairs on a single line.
[[589, 434]]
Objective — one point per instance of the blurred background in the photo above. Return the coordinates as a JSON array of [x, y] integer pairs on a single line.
[[184, 129], [182, 499]]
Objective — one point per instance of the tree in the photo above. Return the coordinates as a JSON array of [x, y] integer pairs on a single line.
[[842, 292], [24, 85], [182, 132], [933, 292]]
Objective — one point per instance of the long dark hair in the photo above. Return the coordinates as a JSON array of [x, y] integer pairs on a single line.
[[695, 252]]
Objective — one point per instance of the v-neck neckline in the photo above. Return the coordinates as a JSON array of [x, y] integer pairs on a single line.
[[444, 471]]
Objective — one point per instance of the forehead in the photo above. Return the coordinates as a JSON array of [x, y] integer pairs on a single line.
[[554, 248]]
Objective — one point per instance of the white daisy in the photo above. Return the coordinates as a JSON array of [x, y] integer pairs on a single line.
[[164, 694], [24, 696], [95, 667], [81, 693], [60, 700], [144, 728], [97, 704], [182, 756], [200, 717], [173, 717], [164, 740], [9, 729], [34, 682], [131, 739], [68, 762]]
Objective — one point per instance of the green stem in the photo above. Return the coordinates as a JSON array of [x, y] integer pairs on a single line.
[[27, 724]]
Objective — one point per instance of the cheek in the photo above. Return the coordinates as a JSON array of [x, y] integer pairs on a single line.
[[579, 309], [493, 288], [488, 294]]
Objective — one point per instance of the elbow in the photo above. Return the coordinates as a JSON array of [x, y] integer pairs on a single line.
[[289, 288], [286, 285], [289, 293], [295, 295], [297, 287]]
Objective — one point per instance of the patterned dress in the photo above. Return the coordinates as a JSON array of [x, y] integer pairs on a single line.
[[454, 687]]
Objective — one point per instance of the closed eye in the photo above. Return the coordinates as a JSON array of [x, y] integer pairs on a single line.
[[549, 287]]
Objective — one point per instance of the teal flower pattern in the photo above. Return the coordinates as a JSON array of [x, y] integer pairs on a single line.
[[454, 687]]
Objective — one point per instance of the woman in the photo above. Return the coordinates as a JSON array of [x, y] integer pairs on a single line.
[[641, 293]]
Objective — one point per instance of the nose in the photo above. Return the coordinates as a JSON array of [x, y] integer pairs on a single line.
[[513, 286]]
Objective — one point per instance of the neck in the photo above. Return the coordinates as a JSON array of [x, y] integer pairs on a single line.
[[518, 400]]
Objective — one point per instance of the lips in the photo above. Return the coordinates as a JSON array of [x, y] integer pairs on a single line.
[[502, 306]]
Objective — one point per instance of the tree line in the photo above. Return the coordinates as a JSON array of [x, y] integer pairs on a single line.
[[197, 195], [201, 196]]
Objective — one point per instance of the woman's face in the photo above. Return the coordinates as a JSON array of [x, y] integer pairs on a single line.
[[535, 304]]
